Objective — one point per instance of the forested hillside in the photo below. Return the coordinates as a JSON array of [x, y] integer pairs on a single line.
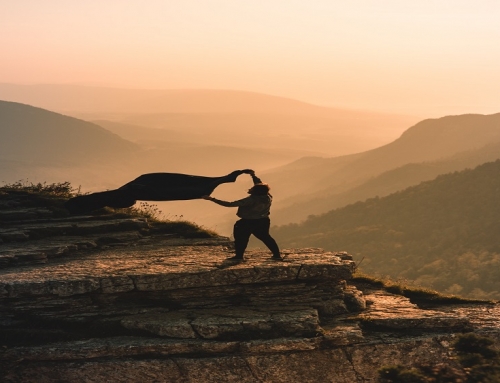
[[386, 183], [442, 234]]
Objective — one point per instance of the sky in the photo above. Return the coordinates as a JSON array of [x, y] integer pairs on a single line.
[[427, 58]]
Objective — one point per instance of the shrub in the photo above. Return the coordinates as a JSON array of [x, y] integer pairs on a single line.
[[59, 189]]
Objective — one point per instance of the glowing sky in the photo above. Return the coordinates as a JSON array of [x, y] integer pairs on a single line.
[[424, 57]]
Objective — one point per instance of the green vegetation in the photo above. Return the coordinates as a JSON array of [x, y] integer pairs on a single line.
[[441, 234], [477, 363]]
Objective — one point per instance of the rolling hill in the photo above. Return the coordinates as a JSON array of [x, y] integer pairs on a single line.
[[37, 145], [385, 184], [36, 136], [432, 147], [442, 234]]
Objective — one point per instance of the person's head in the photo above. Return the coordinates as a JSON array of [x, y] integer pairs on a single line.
[[259, 189]]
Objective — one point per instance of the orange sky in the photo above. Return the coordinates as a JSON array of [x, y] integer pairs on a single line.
[[425, 57]]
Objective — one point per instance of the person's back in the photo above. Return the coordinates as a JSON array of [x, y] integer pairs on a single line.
[[259, 207]]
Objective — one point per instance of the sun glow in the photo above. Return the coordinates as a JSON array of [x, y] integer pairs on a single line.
[[424, 58]]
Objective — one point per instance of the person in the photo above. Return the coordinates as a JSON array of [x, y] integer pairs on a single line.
[[254, 219]]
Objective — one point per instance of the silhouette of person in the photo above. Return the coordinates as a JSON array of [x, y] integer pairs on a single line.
[[254, 218]]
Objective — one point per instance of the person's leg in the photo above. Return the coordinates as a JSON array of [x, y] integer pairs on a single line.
[[260, 229], [241, 233]]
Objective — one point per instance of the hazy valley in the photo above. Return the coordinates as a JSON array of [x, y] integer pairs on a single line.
[[429, 148], [195, 132], [316, 160]]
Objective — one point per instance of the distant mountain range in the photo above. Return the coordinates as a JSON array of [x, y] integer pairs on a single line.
[[220, 117], [441, 234], [385, 184], [431, 147], [102, 100], [48, 146], [40, 137], [37, 141]]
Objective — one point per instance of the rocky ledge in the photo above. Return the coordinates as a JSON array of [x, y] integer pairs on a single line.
[[93, 299]]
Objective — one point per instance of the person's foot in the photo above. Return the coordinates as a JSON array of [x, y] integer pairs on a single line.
[[277, 258], [235, 259]]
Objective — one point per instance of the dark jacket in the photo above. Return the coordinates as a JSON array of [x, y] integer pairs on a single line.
[[251, 207]]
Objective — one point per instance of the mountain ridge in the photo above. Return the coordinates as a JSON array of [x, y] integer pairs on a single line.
[[429, 140], [186, 100], [29, 133], [199, 110], [441, 234], [385, 183]]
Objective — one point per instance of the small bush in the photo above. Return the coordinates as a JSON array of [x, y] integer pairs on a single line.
[[60, 189], [145, 210], [50, 196], [183, 228]]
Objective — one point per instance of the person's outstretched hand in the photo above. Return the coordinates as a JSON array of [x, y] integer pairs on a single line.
[[248, 171]]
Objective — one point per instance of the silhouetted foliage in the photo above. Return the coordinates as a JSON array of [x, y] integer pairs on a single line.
[[58, 189], [51, 196]]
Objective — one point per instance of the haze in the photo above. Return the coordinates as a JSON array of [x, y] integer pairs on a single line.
[[206, 87], [376, 123], [427, 58]]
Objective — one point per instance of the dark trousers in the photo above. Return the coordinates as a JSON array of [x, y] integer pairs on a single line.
[[243, 228]]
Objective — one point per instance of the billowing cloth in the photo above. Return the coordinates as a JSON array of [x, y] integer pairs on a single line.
[[151, 187]]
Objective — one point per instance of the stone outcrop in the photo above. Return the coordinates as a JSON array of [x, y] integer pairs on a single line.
[[93, 299]]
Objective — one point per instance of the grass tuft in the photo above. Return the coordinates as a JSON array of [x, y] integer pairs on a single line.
[[418, 295], [184, 228], [59, 189]]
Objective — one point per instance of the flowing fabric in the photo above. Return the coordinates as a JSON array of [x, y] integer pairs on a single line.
[[151, 187]]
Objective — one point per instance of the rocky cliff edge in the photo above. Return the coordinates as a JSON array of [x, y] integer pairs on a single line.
[[106, 298]]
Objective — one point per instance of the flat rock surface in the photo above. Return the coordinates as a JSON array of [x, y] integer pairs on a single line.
[[163, 265], [398, 313]]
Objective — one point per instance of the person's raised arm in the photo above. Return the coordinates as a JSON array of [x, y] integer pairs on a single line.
[[256, 180]]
